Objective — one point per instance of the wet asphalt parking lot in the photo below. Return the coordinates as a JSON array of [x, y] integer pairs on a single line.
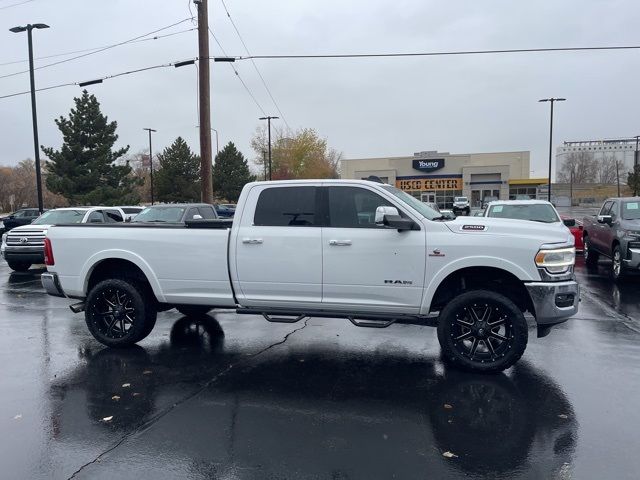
[[235, 397]]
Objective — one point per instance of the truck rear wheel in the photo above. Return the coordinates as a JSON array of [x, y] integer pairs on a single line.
[[19, 266], [118, 314], [617, 265], [482, 331]]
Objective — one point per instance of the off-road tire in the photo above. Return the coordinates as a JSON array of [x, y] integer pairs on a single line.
[[482, 317], [119, 312]]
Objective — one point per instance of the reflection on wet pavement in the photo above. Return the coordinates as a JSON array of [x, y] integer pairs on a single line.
[[224, 396]]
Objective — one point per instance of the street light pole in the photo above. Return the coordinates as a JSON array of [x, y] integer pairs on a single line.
[[268, 119], [28, 28], [635, 154], [217, 145], [150, 160], [552, 100]]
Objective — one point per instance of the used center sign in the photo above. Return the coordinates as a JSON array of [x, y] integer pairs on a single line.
[[428, 165]]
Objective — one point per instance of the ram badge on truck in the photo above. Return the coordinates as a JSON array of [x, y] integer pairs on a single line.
[[326, 248]]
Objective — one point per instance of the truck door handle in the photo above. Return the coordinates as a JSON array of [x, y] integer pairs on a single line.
[[340, 243], [252, 241]]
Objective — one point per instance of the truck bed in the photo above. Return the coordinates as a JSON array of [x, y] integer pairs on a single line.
[[199, 277]]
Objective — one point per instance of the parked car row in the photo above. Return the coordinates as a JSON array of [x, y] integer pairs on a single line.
[[23, 242]]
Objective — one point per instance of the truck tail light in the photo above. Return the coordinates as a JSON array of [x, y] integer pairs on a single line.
[[48, 253]]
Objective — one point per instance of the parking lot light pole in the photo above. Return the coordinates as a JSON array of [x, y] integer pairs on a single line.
[[552, 100], [29, 28], [150, 160], [268, 119]]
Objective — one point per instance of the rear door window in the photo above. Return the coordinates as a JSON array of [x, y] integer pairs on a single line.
[[95, 217], [207, 213], [287, 207], [113, 216]]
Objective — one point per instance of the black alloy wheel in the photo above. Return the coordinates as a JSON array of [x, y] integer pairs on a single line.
[[482, 331], [117, 314]]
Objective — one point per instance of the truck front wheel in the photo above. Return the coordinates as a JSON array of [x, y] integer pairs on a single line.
[[118, 314], [482, 331]]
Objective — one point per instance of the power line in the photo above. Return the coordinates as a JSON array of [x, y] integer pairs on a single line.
[[238, 75], [99, 50], [98, 80], [15, 4], [254, 64], [433, 54], [157, 37]]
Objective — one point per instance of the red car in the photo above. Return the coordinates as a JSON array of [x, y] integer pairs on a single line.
[[576, 230]]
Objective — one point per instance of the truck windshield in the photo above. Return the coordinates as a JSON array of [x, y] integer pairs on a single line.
[[164, 214], [631, 210], [460, 199], [537, 212], [53, 217], [425, 210]]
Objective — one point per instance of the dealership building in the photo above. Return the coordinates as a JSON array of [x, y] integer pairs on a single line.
[[437, 177]]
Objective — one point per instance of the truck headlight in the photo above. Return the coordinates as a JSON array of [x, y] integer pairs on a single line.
[[556, 261]]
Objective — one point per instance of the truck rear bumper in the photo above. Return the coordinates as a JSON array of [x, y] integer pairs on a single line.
[[51, 284], [554, 302]]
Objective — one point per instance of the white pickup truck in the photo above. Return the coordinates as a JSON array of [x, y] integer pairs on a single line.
[[325, 248]]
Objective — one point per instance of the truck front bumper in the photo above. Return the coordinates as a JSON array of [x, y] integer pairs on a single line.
[[554, 302], [633, 258], [33, 255], [51, 284]]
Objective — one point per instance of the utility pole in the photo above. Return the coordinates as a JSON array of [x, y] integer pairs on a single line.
[[618, 175], [205, 102], [264, 164], [28, 28], [268, 119], [571, 188], [150, 160], [552, 100]]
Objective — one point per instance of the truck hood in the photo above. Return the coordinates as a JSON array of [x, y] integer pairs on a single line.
[[547, 233]]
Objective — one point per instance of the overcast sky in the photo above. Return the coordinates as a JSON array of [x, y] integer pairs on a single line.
[[366, 107]]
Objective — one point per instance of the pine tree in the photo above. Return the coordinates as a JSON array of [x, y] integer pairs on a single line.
[[230, 173], [178, 176], [85, 170]]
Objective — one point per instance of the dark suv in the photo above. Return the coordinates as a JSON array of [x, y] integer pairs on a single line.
[[24, 216]]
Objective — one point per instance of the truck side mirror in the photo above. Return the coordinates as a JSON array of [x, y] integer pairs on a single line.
[[382, 211], [605, 219]]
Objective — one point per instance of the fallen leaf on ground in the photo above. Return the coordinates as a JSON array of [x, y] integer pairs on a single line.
[[135, 394], [562, 415], [449, 455], [126, 385], [18, 416], [115, 397], [147, 372], [447, 406], [107, 419]]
